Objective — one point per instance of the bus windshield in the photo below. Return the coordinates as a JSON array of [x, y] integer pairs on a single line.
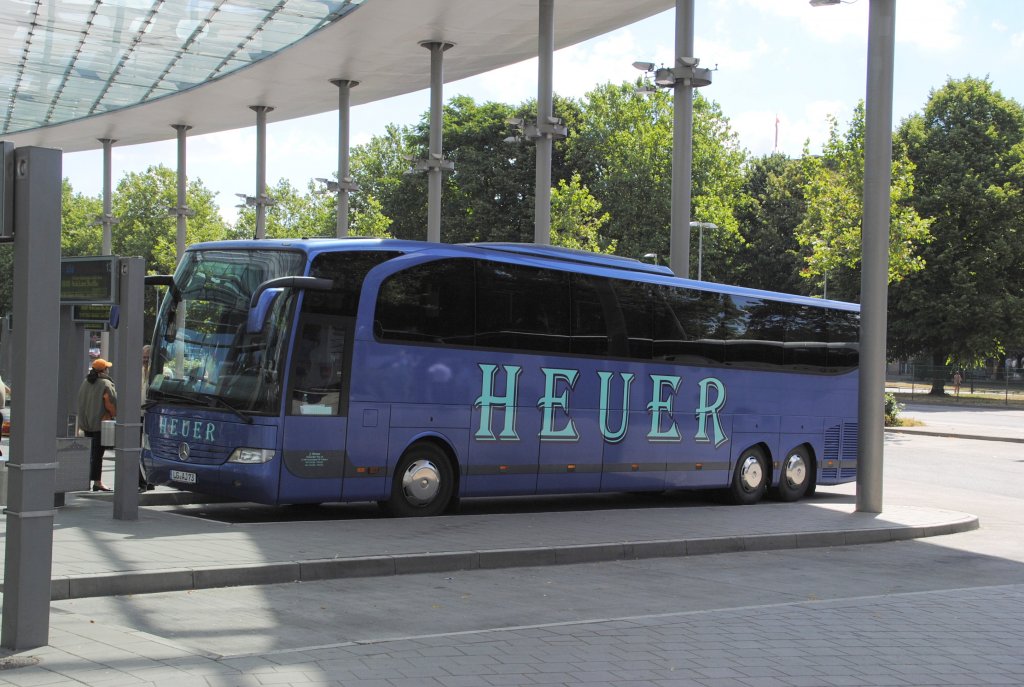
[[202, 352]]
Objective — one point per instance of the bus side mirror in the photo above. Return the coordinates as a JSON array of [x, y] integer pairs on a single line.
[[159, 280], [264, 294], [258, 313]]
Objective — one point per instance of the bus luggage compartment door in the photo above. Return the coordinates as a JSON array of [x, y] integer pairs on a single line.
[[314, 459]]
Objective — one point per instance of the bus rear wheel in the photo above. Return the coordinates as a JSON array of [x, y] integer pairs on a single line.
[[795, 475], [423, 483], [750, 480]]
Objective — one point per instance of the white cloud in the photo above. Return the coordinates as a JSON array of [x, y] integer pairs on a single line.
[[933, 25], [829, 24]]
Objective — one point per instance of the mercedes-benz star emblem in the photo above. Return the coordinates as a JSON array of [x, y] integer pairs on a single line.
[[183, 452]]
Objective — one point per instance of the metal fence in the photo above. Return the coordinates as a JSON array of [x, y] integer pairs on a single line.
[[991, 383]]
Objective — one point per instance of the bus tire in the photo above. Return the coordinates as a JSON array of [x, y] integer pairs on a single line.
[[423, 483], [795, 474], [750, 479]]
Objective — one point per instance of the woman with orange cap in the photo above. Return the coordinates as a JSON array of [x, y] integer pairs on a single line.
[[97, 401]]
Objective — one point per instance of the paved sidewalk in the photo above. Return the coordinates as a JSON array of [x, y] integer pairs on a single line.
[[95, 555], [163, 550], [928, 638]]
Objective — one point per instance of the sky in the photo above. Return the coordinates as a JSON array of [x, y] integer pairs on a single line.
[[781, 68]]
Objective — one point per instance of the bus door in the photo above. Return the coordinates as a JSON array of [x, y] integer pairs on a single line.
[[316, 410]]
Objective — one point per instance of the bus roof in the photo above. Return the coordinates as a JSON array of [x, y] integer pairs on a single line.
[[553, 256]]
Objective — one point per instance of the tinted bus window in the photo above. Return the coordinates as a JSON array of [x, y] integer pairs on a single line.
[[673, 324], [522, 308], [347, 270], [843, 340], [590, 300], [635, 303], [433, 302], [806, 345], [756, 331]]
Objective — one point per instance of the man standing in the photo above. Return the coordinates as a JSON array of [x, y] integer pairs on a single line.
[[97, 401]]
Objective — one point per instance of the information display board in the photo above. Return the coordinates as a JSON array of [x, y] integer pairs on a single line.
[[91, 313], [88, 281]]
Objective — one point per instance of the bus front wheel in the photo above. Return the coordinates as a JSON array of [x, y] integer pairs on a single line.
[[750, 481], [423, 483]]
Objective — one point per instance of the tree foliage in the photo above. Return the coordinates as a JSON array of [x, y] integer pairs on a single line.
[[831, 229], [770, 207], [145, 227], [621, 146], [311, 214], [966, 305], [576, 218]]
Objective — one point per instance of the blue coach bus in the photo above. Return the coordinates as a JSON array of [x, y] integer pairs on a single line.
[[415, 374]]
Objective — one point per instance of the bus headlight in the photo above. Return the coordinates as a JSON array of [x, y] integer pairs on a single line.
[[251, 456]]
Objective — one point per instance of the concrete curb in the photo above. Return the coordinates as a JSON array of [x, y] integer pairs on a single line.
[[184, 579], [952, 435]]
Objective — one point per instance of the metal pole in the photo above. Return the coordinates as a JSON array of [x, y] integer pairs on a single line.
[[682, 147], [107, 221], [434, 172], [545, 110], [344, 174], [128, 430], [28, 558], [261, 168], [180, 211], [700, 250], [875, 256]]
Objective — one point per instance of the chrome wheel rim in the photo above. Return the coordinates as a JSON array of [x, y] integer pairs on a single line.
[[421, 482], [795, 470], [751, 474]]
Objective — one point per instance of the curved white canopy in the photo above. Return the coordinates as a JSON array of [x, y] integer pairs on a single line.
[[82, 70]]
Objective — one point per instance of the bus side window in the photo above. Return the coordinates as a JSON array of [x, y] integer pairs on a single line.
[[588, 328], [522, 308], [431, 303], [317, 368], [635, 304], [806, 343]]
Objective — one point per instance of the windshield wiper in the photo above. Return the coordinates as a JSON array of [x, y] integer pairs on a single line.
[[217, 401], [166, 395]]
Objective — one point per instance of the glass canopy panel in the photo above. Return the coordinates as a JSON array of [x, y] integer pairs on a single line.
[[61, 60]]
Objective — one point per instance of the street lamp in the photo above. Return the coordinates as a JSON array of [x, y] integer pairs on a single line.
[[700, 242], [651, 256], [682, 76]]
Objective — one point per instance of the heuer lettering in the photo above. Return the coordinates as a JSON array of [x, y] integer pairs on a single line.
[[196, 430], [499, 393]]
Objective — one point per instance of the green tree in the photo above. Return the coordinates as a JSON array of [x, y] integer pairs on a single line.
[[386, 192], [621, 145], [770, 206], [291, 214], [830, 232], [576, 218], [80, 233], [490, 194], [312, 214], [144, 226], [966, 304]]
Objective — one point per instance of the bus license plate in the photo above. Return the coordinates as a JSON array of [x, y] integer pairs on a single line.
[[180, 476]]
